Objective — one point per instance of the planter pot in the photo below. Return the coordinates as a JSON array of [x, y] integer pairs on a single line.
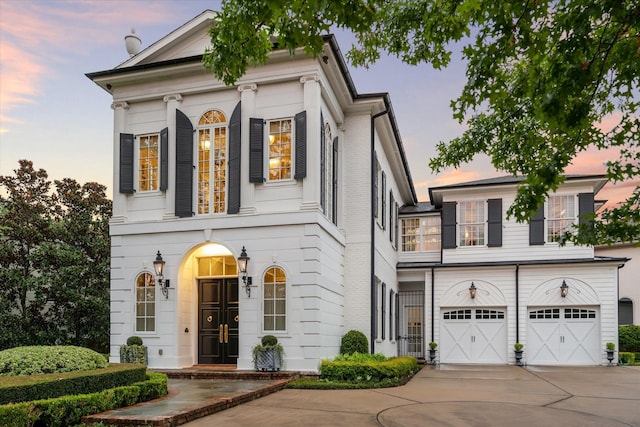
[[432, 356], [518, 357], [268, 360], [610, 356]]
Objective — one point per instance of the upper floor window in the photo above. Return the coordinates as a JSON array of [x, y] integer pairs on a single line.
[[148, 162], [421, 234], [328, 173], [275, 300], [472, 223], [212, 162], [560, 216], [145, 303], [280, 149]]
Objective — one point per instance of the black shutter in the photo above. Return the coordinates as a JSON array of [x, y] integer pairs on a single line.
[[256, 147], [334, 193], [300, 120], [164, 159], [536, 228], [126, 163], [323, 166], [383, 305], [234, 160], [375, 186], [585, 208], [391, 336], [494, 221], [449, 225], [184, 165], [392, 202], [383, 194]]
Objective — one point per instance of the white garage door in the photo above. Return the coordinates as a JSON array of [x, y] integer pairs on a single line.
[[563, 336], [473, 336]]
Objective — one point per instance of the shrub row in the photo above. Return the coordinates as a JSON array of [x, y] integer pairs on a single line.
[[37, 387], [397, 367], [627, 358], [69, 410], [629, 338], [43, 359]]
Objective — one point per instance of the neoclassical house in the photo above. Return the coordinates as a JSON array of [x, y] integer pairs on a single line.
[[284, 205]]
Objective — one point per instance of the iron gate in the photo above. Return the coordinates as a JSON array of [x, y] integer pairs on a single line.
[[410, 323]]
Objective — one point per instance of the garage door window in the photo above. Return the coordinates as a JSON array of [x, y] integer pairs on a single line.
[[579, 313], [457, 314], [489, 314], [553, 313]]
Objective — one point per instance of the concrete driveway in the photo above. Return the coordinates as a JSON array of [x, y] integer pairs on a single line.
[[459, 395]]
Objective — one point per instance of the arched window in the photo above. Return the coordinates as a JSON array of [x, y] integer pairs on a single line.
[[625, 311], [212, 162], [145, 303], [275, 300]]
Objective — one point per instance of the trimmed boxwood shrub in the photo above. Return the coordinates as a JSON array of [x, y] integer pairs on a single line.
[[396, 367], [354, 341], [627, 358], [42, 359], [629, 338], [69, 410], [35, 387], [134, 340]]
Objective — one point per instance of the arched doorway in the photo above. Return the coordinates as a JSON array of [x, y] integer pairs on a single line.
[[216, 272]]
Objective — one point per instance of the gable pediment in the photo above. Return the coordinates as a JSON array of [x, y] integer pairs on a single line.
[[191, 39]]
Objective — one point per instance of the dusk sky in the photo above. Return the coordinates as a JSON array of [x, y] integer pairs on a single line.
[[53, 115]]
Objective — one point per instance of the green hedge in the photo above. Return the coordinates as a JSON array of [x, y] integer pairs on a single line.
[[41, 359], [629, 338], [69, 410], [627, 358], [36, 387], [396, 367]]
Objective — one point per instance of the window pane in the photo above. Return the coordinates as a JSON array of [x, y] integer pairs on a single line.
[[269, 323], [268, 307], [281, 307], [281, 289], [280, 323]]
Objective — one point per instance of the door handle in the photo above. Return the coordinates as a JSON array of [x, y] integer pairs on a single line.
[[226, 333], [220, 333]]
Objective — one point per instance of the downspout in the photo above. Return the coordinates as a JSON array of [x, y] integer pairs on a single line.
[[373, 227], [517, 302], [433, 304]]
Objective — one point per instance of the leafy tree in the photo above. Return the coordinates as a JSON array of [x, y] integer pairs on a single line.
[[542, 77], [54, 261]]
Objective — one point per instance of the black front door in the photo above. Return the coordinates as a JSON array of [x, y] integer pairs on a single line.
[[218, 321]]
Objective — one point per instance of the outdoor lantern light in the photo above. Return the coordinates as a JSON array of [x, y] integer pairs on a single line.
[[564, 289], [472, 290], [243, 265], [158, 265]]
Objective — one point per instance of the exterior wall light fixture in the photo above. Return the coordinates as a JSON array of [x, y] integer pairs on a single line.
[[564, 289], [243, 265], [158, 266], [472, 290]]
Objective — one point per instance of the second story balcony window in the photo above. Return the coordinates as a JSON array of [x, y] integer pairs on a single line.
[[472, 223]]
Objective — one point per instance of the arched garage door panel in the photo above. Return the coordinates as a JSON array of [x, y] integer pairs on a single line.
[[473, 336], [563, 336]]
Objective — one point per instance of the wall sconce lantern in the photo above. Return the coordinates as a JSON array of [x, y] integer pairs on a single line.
[[564, 289], [158, 266], [243, 265], [472, 290]]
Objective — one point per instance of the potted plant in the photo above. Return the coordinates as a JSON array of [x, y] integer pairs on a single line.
[[517, 348], [432, 352], [133, 351], [267, 356], [611, 348]]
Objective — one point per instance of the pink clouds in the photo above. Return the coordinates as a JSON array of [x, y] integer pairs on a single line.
[[35, 37]]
